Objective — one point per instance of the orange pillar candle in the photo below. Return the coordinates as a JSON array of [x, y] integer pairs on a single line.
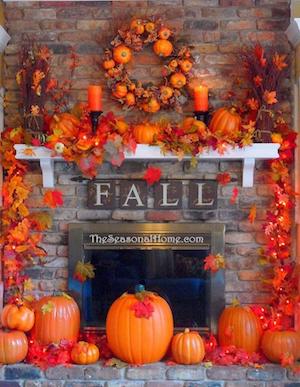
[[201, 98], [95, 98]]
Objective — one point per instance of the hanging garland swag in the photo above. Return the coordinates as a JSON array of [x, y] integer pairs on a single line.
[[171, 92]]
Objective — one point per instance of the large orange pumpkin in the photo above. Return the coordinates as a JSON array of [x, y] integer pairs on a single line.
[[275, 344], [139, 340], [13, 346], [240, 327], [188, 347], [122, 54], [17, 317], [163, 47], [65, 124], [226, 122], [84, 353], [145, 133], [56, 318]]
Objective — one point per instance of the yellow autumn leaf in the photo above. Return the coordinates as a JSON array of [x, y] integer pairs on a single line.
[[48, 307], [28, 285]]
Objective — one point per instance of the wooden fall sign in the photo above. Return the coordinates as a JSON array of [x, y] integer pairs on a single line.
[[166, 194]]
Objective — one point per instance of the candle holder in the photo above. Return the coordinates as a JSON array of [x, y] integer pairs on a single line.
[[94, 119], [202, 116]]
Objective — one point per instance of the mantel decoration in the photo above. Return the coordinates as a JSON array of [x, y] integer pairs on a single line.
[[70, 134]]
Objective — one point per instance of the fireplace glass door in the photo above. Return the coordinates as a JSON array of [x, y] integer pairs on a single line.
[[165, 258]]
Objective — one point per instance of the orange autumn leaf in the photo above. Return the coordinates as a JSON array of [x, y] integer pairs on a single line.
[[252, 213], [21, 232], [279, 61], [53, 198], [270, 97], [29, 152], [38, 75]]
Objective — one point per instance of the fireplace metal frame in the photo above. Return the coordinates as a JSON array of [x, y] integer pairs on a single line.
[[216, 284]]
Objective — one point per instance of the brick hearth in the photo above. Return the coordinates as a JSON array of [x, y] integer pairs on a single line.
[[154, 375]]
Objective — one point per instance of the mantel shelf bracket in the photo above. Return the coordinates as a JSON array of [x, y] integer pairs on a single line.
[[248, 155]]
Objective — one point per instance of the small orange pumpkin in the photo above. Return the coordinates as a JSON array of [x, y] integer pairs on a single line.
[[275, 344], [130, 99], [166, 92], [178, 80], [240, 327], [185, 65], [85, 353], [56, 318], [137, 26], [139, 340], [226, 122], [146, 133], [152, 106], [122, 54], [65, 124], [150, 26], [163, 47], [121, 126], [164, 33], [108, 64], [191, 125], [187, 347], [120, 90], [173, 64], [13, 346], [17, 317]]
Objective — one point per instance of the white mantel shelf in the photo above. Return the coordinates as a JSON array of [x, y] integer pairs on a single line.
[[247, 154]]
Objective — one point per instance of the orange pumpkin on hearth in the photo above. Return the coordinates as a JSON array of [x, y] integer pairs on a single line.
[[85, 353], [163, 47], [135, 337], [17, 317], [276, 344], [146, 133], [188, 347], [56, 318], [13, 346], [65, 123], [239, 326], [122, 54], [226, 122]]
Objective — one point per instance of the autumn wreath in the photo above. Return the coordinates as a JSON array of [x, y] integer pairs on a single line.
[[171, 92]]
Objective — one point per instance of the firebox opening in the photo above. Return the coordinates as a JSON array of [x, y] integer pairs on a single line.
[[166, 258]]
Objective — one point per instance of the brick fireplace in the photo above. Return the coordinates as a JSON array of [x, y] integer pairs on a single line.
[[217, 29]]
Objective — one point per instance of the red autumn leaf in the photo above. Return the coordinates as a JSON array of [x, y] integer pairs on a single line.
[[252, 213], [223, 178], [214, 262], [152, 175], [53, 198], [234, 195], [143, 308]]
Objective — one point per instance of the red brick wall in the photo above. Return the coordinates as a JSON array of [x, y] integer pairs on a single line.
[[217, 29]]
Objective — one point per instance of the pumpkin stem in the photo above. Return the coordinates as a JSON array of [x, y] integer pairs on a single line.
[[186, 330]]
